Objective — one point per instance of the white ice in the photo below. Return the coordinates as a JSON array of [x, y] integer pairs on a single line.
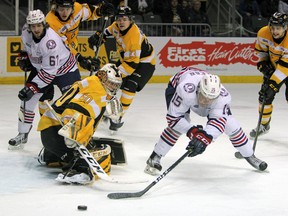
[[214, 183]]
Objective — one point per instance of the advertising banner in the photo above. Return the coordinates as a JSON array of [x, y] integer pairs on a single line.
[[222, 56]]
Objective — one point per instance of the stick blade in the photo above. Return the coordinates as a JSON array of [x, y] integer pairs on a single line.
[[124, 195]]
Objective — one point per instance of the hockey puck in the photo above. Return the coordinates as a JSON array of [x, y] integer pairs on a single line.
[[82, 207]]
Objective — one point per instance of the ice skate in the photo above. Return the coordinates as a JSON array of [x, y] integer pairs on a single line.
[[75, 177], [263, 129], [18, 141], [153, 164], [256, 163], [115, 125], [49, 159]]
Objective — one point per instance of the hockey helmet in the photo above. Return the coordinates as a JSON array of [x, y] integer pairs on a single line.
[[209, 89], [64, 3], [110, 78], [35, 17], [278, 19], [124, 11]]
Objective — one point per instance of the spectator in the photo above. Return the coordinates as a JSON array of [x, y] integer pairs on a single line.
[[174, 14], [269, 7], [283, 6], [141, 7], [198, 16], [159, 6], [247, 9]]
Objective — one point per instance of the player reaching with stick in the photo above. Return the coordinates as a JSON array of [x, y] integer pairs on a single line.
[[195, 90]]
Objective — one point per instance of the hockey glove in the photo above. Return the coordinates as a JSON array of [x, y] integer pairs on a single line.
[[266, 68], [88, 63], [268, 89], [23, 61], [199, 141], [106, 9], [27, 92], [93, 40]]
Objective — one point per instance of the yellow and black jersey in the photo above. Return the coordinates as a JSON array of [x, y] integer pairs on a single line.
[[69, 29], [87, 96], [267, 48], [133, 46]]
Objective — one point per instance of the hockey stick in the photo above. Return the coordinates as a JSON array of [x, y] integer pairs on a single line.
[[96, 48], [25, 81], [238, 154], [86, 155], [124, 195]]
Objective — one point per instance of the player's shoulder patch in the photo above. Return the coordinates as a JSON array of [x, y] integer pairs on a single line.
[[51, 44], [189, 87]]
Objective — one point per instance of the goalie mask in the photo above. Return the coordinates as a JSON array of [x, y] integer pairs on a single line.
[[208, 89], [110, 78]]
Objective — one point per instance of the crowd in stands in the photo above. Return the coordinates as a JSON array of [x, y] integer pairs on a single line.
[[255, 13]]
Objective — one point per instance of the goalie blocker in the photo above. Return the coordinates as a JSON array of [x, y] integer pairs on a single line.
[[118, 156]]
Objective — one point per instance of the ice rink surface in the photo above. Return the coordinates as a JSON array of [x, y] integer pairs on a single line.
[[212, 184]]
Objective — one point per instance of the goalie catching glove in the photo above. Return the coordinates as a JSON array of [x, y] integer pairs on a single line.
[[114, 109], [78, 131], [199, 140]]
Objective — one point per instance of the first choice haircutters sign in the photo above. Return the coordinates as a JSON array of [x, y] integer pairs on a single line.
[[223, 56]]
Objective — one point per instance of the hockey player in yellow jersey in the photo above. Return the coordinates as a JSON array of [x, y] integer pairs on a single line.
[[271, 47], [65, 17], [137, 58], [86, 99]]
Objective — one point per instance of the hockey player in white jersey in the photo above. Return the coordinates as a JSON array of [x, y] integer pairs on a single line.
[[51, 63], [195, 90]]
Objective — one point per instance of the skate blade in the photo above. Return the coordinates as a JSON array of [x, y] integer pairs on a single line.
[[151, 171], [112, 132], [15, 147]]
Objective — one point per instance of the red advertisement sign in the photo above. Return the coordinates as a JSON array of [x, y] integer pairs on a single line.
[[200, 52]]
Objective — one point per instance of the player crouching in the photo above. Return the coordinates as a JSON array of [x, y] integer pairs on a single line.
[[80, 109]]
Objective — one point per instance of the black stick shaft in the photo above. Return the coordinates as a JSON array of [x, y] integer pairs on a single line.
[[259, 122], [238, 154], [141, 193]]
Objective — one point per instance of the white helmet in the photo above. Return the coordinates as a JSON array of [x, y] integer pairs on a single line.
[[35, 17], [209, 89], [110, 78]]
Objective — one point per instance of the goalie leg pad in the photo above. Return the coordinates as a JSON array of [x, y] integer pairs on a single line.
[[118, 156]]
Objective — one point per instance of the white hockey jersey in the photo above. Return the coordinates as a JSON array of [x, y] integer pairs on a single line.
[[185, 98], [50, 56]]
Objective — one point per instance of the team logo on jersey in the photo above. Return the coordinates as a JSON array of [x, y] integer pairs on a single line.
[[51, 44], [189, 87]]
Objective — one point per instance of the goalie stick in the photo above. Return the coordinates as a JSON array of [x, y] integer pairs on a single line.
[[93, 164], [124, 195], [238, 154]]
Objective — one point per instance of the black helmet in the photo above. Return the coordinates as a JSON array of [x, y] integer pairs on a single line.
[[124, 11], [64, 3], [278, 19]]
